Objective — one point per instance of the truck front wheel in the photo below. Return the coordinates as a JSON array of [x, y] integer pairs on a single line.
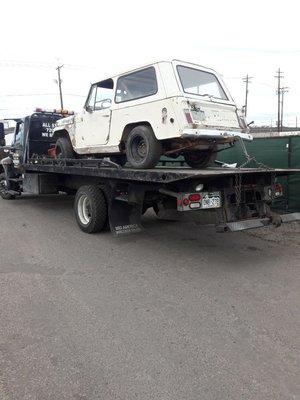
[[91, 209], [143, 150], [63, 148], [3, 188]]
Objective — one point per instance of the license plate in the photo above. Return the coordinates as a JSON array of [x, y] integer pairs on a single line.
[[198, 201], [211, 200]]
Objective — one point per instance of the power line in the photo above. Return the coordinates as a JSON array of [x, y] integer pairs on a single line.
[[41, 65], [39, 94]]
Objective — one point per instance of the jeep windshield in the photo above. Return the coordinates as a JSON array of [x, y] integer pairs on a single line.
[[200, 83]]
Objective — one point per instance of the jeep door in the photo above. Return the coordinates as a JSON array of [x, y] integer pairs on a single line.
[[93, 125]]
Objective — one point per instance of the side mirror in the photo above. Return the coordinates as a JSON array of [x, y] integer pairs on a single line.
[[2, 134], [106, 103]]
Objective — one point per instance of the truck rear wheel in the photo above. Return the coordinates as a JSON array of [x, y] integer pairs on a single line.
[[143, 150], [63, 148], [3, 188], [201, 158], [91, 209]]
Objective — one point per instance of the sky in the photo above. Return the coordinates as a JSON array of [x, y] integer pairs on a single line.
[[98, 39]]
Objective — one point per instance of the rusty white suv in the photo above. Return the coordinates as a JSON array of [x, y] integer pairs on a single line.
[[167, 108]]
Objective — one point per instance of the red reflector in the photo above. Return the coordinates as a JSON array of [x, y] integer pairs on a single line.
[[186, 202], [52, 152], [278, 190], [194, 197], [179, 202], [189, 117]]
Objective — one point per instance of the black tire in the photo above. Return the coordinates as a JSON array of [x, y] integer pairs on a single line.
[[200, 158], [68, 191], [3, 191], [143, 150], [91, 209], [63, 148], [119, 159]]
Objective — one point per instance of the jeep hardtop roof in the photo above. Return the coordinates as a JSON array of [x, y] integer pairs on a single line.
[[187, 63]]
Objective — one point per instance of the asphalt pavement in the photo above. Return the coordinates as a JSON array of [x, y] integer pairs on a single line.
[[177, 312]]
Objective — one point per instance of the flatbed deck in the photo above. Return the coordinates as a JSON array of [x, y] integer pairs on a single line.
[[108, 170]]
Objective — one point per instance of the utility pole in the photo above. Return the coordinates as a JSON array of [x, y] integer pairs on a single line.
[[279, 76], [247, 80], [59, 81], [283, 90]]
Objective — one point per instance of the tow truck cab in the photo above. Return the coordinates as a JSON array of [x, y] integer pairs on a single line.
[[33, 135]]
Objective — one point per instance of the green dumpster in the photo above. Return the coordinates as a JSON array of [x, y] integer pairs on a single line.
[[277, 151]]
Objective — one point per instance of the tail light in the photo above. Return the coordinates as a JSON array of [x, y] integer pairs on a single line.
[[188, 116], [194, 197]]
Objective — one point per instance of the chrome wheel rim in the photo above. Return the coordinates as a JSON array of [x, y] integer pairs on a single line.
[[84, 210]]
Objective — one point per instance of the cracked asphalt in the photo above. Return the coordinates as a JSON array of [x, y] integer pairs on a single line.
[[177, 312]]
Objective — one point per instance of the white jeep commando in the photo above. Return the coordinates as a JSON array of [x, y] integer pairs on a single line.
[[167, 108]]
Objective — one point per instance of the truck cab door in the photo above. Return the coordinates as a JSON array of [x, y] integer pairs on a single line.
[[18, 143], [2, 134], [93, 125]]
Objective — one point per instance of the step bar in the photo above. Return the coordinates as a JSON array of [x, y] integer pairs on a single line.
[[258, 223]]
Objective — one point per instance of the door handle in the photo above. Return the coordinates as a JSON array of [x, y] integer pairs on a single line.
[[105, 115]]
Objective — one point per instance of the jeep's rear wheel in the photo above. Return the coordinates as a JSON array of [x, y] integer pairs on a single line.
[[143, 150], [201, 158], [63, 148]]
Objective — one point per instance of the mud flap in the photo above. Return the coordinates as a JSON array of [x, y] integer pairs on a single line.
[[125, 210]]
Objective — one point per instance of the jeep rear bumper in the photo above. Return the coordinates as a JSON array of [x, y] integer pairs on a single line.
[[215, 134]]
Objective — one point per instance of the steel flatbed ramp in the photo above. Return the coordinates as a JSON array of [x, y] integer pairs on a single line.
[[108, 170]]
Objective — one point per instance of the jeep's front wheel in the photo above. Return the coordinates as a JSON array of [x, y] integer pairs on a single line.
[[63, 148], [143, 150]]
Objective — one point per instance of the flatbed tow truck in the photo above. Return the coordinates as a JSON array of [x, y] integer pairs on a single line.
[[108, 195]]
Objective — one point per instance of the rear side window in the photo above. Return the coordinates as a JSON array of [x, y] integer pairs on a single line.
[[136, 85]]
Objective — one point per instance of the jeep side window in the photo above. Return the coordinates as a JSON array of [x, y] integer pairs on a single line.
[[136, 85], [101, 95]]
